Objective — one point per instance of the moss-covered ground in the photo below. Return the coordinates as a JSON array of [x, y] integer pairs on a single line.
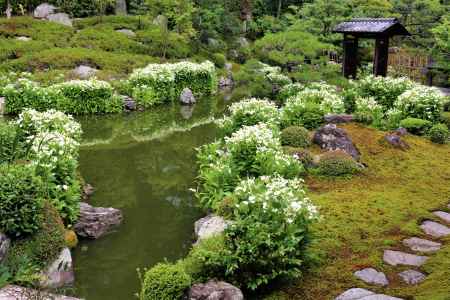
[[374, 211]]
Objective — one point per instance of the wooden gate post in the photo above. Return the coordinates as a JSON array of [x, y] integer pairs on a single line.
[[350, 62], [380, 63]]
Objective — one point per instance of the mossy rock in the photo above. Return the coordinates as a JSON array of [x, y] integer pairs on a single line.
[[70, 238]]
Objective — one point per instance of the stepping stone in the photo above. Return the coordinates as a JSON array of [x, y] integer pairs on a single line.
[[421, 245], [443, 215], [412, 276], [435, 229], [354, 294], [372, 276], [363, 294], [395, 258]]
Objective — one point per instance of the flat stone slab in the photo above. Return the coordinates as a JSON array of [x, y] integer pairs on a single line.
[[14, 292], [445, 216], [421, 245], [372, 276], [209, 226], [363, 294], [395, 258], [412, 276], [435, 229]]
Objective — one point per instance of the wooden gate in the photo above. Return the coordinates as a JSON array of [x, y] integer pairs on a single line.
[[409, 64]]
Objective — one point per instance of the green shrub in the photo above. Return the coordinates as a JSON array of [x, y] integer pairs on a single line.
[[9, 145], [439, 134], [421, 102], [219, 60], [295, 136], [116, 22], [297, 113], [249, 112], [269, 235], [87, 97], [13, 49], [107, 39], [165, 282], [165, 44], [289, 91], [364, 117], [44, 246], [21, 200], [29, 94], [206, 260], [445, 118], [447, 105], [416, 126], [337, 163]]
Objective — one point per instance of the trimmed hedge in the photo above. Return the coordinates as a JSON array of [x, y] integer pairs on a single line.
[[337, 163], [295, 136], [439, 134]]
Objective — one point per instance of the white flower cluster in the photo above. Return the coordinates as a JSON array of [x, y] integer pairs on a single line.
[[386, 84], [421, 102], [276, 195], [322, 86], [274, 74], [52, 135], [260, 135], [250, 112], [328, 101], [83, 85], [292, 88], [168, 72], [367, 104]]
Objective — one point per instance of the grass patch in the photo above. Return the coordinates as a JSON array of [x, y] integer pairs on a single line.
[[374, 211]]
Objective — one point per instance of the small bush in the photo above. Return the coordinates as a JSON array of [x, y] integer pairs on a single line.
[[165, 282], [295, 136], [45, 245], [445, 118], [8, 142], [439, 134], [289, 90], [21, 200], [219, 60], [416, 126], [298, 113], [421, 102], [337, 163], [447, 105]]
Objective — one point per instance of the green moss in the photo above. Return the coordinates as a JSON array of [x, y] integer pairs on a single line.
[[375, 211]]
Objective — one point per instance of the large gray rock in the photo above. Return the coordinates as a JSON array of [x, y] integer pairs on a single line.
[[421, 245], [445, 216], [187, 97], [243, 42], [14, 292], [5, 243], [209, 226], [435, 229], [43, 10], [372, 276], [395, 258], [129, 104], [330, 137], [121, 7], [96, 221], [215, 290], [84, 72], [411, 276], [354, 294], [60, 18], [225, 82], [2, 105], [60, 272], [396, 141], [338, 118], [127, 32], [379, 297]]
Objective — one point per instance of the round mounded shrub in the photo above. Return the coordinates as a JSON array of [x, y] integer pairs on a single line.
[[165, 282], [337, 163], [295, 136], [21, 201], [416, 126], [439, 133]]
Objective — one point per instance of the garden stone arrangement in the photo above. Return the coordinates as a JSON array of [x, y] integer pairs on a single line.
[[213, 151]]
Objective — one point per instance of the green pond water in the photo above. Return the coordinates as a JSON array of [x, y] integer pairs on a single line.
[[144, 164]]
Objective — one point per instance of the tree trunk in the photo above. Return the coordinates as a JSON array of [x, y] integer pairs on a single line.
[[280, 2]]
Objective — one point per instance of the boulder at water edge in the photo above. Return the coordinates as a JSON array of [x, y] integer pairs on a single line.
[[209, 226], [215, 290], [330, 137], [5, 242], [94, 222], [43, 10], [14, 292], [187, 97], [60, 272]]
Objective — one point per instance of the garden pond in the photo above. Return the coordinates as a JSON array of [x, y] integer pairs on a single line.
[[144, 164]]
